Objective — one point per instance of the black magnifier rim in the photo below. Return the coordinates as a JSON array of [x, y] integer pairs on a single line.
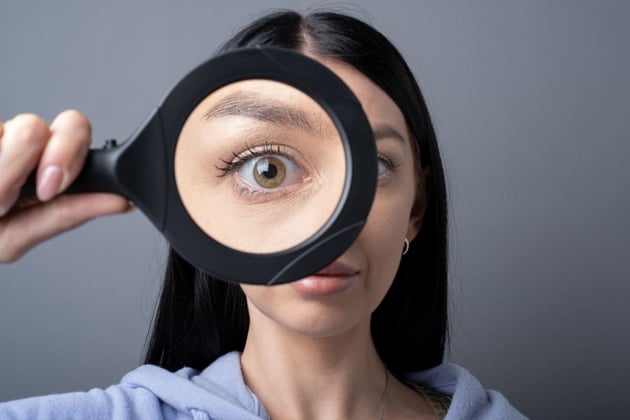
[[342, 228]]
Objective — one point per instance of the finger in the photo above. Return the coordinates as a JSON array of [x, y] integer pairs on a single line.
[[21, 145], [64, 155], [23, 229]]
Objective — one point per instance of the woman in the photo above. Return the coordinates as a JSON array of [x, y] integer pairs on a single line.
[[364, 338]]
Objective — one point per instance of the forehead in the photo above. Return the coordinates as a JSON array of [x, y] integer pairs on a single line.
[[378, 106], [274, 102]]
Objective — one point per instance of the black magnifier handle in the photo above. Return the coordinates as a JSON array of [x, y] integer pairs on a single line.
[[97, 175]]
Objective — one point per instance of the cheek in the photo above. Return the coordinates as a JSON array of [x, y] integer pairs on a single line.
[[266, 301], [383, 236], [263, 296], [382, 240]]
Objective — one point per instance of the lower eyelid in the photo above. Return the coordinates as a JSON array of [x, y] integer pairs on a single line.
[[261, 195]]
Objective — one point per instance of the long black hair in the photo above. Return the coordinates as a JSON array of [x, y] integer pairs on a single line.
[[199, 318]]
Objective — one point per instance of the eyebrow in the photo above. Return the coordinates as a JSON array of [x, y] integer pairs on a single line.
[[383, 131], [265, 109], [262, 108]]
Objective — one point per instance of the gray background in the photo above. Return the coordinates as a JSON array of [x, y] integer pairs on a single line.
[[530, 101]]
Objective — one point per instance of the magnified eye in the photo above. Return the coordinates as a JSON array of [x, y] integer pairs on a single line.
[[271, 171]]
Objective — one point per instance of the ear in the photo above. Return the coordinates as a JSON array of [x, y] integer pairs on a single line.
[[423, 191]]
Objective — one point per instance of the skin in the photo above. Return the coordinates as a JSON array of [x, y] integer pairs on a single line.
[[309, 352], [332, 369]]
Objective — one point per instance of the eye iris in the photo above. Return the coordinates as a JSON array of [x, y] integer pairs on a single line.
[[269, 172]]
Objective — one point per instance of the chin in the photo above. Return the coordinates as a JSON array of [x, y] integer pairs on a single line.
[[323, 322], [311, 315]]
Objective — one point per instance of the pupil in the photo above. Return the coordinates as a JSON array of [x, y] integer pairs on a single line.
[[269, 171]]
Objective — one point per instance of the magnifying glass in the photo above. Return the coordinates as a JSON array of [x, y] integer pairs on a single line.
[[258, 167]]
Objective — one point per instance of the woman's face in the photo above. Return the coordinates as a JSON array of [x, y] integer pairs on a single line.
[[291, 184]]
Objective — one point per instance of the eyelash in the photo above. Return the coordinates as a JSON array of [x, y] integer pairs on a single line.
[[252, 152], [389, 163]]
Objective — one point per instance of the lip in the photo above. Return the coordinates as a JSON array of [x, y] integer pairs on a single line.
[[333, 279]]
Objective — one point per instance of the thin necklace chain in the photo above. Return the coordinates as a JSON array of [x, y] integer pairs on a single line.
[[384, 395]]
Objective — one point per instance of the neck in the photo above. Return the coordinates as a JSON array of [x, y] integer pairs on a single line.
[[297, 376]]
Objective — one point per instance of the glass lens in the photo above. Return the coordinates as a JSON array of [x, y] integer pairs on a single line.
[[259, 166]]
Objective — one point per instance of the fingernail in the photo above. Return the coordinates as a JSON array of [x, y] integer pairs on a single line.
[[50, 184]]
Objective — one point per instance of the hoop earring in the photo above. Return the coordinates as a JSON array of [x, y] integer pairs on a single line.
[[406, 248]]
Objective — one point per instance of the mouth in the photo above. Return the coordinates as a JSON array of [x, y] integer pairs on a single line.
[[333, 279], [337, 269]]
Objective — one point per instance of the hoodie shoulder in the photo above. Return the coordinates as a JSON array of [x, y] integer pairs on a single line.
[[150, 392], [116, 402], [468, 397]]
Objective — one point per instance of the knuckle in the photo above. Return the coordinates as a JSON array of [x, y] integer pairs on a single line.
[[26, 118], [75, 120], [70, 141], [29, 129], [9, 257], [9, 252], [78, 117], [8, 195], [63, 215]]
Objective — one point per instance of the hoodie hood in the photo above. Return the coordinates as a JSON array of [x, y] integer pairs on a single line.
[[469, 399], [218, 392]]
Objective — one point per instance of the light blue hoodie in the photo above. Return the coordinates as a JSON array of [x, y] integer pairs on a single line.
[[219, 393]]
